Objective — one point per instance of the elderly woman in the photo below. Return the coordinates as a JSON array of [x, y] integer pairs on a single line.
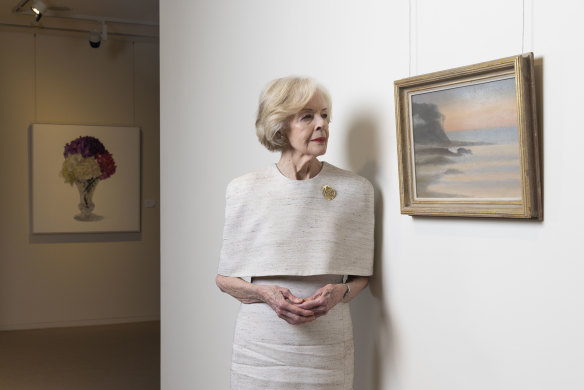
[[297, 247]]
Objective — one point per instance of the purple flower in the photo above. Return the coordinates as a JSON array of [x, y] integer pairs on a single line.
[[86, 146]]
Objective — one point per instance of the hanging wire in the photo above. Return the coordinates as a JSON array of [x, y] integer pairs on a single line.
[[410, 39], [134, 83], [523, 27], [412, 26], [35, 76]]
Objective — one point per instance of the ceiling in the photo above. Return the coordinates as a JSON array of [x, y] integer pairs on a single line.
[[139, 17]]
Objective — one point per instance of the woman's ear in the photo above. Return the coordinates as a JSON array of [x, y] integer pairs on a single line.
[[284, 132]]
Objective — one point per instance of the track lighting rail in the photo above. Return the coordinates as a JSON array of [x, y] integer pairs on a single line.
[[24, 8]]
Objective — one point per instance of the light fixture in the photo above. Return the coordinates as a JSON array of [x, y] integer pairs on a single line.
[[95, 37], [39, 8]]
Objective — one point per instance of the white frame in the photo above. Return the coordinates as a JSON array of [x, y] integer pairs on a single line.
[[54, 202]]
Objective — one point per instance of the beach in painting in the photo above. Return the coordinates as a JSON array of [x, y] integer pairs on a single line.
[[466, 142]]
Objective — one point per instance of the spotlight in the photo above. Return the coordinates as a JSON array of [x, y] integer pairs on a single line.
[[94, 39], [39, 8]]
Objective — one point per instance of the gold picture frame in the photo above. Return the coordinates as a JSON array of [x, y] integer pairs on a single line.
[[468, 142]]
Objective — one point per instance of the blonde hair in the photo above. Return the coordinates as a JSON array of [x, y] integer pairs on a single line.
[[280, 100]]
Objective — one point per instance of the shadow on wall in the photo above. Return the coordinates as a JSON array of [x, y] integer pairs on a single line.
[[370, 323]]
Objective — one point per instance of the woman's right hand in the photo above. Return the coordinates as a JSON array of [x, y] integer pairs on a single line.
[[280, 299], [283, 302]]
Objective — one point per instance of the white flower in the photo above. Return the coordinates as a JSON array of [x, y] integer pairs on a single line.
[[79, 168]]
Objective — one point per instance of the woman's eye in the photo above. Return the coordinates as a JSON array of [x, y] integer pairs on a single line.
[[324, 116], [307, 117]]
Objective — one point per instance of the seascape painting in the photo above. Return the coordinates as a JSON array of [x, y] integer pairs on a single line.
[[466, 141]]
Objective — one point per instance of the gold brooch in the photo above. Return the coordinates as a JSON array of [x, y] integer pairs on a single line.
[[328, 192]]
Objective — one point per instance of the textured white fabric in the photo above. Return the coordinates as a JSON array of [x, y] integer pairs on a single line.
[[278, 226], [270, 354]]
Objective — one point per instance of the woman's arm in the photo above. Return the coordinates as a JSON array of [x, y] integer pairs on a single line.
[[280, 299], [330, 295], [356, 285]]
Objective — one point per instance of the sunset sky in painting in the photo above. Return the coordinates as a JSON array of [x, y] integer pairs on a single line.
[[480, 106]]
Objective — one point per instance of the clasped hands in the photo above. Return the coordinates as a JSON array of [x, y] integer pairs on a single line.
[[295, 310]]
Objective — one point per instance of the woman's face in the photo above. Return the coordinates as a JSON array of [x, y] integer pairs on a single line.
[[308, 131]]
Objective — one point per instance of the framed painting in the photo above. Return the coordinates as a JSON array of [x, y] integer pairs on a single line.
[[84, 179], [468, 141]]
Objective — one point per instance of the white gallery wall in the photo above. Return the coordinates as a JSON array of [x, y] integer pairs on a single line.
[[455, 304], [75, 279]]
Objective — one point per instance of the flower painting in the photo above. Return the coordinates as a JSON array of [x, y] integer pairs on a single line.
[[102, 166]]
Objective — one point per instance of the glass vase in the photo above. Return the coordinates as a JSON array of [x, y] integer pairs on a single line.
[[86, 189]]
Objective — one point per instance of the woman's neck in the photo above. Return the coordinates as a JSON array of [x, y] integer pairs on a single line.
[[298, 167]]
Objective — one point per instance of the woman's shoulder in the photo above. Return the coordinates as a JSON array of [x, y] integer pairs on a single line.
[[349, 177], [251, 179]]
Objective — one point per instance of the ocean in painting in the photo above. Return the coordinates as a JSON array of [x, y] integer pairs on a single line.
[[471, 164]]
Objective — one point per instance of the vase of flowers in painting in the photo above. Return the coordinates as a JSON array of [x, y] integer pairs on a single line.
[[86, 189], [87, 162]]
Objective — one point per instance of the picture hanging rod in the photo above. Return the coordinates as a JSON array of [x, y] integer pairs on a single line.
[[20, 9], [73, 30]]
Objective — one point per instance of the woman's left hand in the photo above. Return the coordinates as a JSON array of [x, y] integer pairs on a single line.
[[324, 299]]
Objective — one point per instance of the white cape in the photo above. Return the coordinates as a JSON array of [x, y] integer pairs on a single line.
[[278, 226]]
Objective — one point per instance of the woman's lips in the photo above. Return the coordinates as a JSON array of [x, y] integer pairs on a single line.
[[320, 140]]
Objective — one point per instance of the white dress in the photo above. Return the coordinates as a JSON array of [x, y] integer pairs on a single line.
[[278, 226], [271, 354]]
